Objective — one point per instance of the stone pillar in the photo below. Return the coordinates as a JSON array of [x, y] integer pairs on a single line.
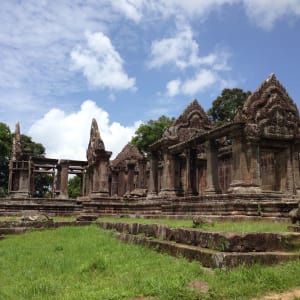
[[130, 178], [289, 171], [296, 170], [168, 177], [100, 176], [152, 189], [245, 166], [64, 172], [212, 176], [142, 174], [114, 183], [20, 178], [188, 180]]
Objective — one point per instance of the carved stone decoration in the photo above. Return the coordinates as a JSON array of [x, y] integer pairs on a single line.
[[271, 112], [192, 121]]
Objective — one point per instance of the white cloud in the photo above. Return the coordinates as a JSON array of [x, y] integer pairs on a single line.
[[202, 80], [265, 13], [67, 135], [101, 64], [132, 9], [182, 50], [173, 87], [192, 8]]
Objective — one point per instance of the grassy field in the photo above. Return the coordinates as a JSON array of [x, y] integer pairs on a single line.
[[258, 226], [88, 263]]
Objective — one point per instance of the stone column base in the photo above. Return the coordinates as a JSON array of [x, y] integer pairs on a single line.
[[167, 193], [212, 191], [244, 188], [95, 195], [151, 195], [19, 195]]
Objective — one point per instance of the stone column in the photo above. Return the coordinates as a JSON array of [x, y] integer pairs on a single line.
[[24, 182], [64, 172], [285, 170], [152, 189], [212, 176], [130, 178], [100, 176], [114, 183], [296, 166], [142, 174], [168, 177], [245, 166], [188, 184]]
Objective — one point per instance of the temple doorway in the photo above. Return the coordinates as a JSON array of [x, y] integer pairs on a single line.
[[273, 170]]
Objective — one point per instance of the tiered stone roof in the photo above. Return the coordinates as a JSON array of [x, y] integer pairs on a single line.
[[271, 110], [129, 152]]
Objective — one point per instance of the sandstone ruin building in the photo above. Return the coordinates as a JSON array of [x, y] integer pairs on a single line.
[[254, 157]]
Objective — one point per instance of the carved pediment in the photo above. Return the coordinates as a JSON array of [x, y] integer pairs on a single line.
[[270, 112], [191, 122]]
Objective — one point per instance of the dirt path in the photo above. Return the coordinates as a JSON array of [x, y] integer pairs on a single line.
[[290, 295]]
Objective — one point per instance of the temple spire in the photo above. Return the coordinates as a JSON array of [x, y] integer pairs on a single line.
[[16, 146]]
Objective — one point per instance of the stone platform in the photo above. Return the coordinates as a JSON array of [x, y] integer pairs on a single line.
[[212, 249], [51, 207], [268, 205]]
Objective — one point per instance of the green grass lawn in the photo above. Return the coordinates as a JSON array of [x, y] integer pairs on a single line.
[[88, 263], [238, 226]]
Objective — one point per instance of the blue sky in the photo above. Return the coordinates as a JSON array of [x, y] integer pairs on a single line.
[[127, 61]]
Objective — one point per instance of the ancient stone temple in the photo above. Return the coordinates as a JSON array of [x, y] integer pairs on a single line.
[[258, 152], [128, 172]]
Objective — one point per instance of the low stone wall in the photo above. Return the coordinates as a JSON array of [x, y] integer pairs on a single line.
[[221, 241]]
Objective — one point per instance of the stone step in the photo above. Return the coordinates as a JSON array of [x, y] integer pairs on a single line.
[[207, 257], [13, 230], [221, 241]]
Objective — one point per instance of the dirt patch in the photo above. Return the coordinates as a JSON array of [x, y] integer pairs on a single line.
[[142, 298], [290, 295], [200, 286]]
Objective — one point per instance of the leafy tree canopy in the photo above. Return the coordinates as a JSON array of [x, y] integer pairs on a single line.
[[5, 149], [150, 132], [74, 187], [226, 106], [36, 149]]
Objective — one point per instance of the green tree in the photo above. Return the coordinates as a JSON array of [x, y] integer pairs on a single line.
[[5, 150], [150, 132], [226, 106], [35, 149], [74, 187]]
